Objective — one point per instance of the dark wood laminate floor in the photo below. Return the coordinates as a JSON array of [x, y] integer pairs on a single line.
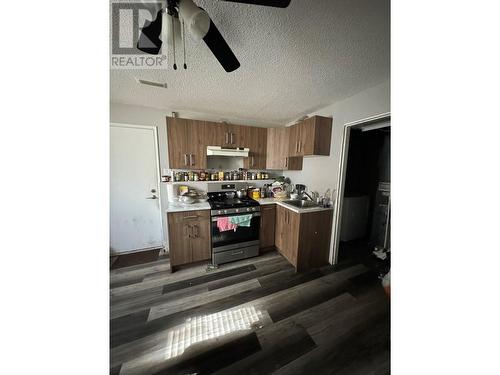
[[140, 257], [255, 316]]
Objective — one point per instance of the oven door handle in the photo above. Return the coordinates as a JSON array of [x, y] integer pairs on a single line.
[[254, 214]]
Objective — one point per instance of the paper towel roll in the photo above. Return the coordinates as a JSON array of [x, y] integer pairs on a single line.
[[171, 192]]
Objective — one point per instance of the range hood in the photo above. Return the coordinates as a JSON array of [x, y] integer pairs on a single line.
[[227, 151]]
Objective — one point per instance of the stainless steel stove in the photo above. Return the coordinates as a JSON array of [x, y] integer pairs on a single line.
[[243, 242]]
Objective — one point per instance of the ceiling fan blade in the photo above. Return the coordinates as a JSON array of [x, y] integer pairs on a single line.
[[269, 3], [220, 49], [149, 40]]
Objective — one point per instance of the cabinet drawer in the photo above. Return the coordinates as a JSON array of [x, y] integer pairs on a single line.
[[180, 217]]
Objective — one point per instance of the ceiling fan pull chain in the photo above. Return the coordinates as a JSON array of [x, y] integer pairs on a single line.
[[184, 42], [173, 40]]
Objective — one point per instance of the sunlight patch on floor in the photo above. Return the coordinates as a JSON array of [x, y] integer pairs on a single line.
[[205, 327]]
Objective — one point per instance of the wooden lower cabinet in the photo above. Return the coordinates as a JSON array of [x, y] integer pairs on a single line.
[[303, 239], [267, 226], [189, 237]]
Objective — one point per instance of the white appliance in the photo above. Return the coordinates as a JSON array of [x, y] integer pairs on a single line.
[[227, 151]]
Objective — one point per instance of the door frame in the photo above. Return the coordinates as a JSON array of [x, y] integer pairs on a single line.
[[339, 197], [154, 128]]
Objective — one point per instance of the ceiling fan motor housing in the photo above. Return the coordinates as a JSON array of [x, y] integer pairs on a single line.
[[196, 19]]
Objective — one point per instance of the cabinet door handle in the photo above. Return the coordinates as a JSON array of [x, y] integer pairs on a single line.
[[190, 217], [300, 146], [185, 159], [232, 141], [286, 162], [191, 159], [253, 161], [196, 231], [297, 146], [226, 134]]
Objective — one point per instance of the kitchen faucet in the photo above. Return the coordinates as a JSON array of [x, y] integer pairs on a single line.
[[307, 195]]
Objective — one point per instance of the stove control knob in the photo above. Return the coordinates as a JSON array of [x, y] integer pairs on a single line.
[[225, 211], [248, 209]]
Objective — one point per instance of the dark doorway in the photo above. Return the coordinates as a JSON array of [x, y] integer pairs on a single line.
[[365, 213]]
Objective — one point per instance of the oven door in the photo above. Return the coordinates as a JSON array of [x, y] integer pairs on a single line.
[[231, 237]]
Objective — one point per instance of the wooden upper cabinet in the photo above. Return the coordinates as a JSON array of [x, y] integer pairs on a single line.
[[255, 139], [277, 156], [224, 135], [294, 139], [234, 135], [186, 143], [270, 148], [311, 137]]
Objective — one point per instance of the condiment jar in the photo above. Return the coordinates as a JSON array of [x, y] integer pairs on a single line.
[[256, 194]]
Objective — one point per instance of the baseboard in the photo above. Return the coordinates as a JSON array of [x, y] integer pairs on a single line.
[[263, 250], [138, 251]]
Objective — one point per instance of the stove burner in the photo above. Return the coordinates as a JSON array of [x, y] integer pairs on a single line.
[[219, 201]]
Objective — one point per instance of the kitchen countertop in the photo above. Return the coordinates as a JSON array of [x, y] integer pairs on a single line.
[[182, 207], [264, 201]]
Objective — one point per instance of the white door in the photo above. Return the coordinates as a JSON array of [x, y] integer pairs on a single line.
[[135, 205]]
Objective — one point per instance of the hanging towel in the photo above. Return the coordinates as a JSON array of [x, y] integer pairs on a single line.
[[224, 224], [242, 220]]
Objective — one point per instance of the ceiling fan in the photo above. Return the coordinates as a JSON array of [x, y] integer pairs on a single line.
[[171, 22]]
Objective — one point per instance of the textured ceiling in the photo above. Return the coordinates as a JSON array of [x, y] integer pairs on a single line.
[[293, 61]]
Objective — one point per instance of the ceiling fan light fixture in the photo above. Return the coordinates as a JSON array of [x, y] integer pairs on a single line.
[[195, 19], [166, 32]]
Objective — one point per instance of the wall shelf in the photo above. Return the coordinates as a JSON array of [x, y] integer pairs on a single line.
[[215, 182]]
